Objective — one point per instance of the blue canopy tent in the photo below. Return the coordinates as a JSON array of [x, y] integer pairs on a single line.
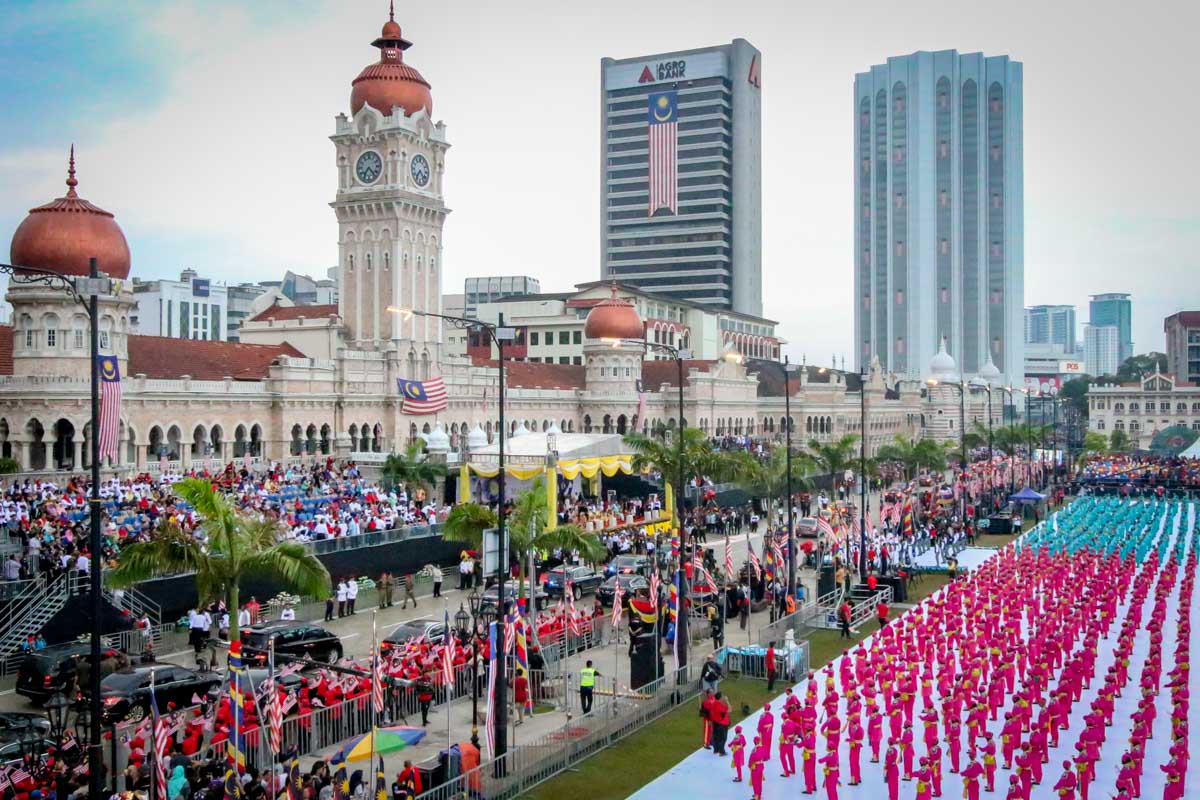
[[1027, 495]]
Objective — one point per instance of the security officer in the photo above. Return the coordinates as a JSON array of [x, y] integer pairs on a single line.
[[587, 684]]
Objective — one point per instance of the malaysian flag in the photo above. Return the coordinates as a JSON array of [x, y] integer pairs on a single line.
[[662, 116], [161, 736], [448, 659], [422, 397], [494, 665], [654, 588], [616, 614], [377, 679], [728, 559], [110, 406], [572, 620]]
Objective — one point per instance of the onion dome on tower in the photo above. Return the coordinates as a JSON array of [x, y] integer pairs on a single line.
[[63, 234], [614, 318], [391, 82]]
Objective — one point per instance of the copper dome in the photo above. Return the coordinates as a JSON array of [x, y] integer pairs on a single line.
[[63, 234], [391, 82], [614, 318]]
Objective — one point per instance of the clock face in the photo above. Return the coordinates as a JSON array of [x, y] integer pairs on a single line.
[[369, 167], [420, 170]]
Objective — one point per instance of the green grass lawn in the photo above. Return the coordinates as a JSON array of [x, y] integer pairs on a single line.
[[638, 759]]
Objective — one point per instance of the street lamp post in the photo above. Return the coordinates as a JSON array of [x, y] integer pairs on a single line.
[[499, 334], [785, 368], [461, 620], [57, 708], [86, 291], [680, 355]]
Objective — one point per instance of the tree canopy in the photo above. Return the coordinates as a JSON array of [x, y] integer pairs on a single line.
[[411, 468]]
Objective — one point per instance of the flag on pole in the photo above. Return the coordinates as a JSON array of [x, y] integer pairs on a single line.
[[233, 785], [110, 407], [728, 560], [381, 788], [521, 657], [275, 719], [655, 587], [295, 787], [423, 397], [616, 612], [341, 783], [642, 396], [493, 665], [755, 565], [572, 620], [448, 658], [678, 609], [662, 116], [161, 735], [377, 680]]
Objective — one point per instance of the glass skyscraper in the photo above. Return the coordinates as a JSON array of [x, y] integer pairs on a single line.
[[709, 250], [939, 212], [1114, 309], [1052, 325]]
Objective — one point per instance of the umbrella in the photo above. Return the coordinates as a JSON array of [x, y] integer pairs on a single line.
[[387, 740]]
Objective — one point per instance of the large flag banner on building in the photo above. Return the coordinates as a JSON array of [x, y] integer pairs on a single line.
[[422, 397], [110, 406], [662, 115]]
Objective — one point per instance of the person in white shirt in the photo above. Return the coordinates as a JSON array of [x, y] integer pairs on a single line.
[[351, 595], [288, 613], [342, 592], [244, 618]]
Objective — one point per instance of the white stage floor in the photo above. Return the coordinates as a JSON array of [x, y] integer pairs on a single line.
[[968, 559], [705, 776]]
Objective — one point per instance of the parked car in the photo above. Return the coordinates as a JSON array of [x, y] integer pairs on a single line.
[[630, 586], [583, 580], [806, 528], [53, 669], [299, 639], [488, 601], [628, 565], [14, 723], [126, 695], [433, 630]]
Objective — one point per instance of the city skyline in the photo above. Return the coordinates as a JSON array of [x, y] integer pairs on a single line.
[[213, 149]]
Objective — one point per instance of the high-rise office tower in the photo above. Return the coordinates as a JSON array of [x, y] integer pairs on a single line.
[[1101, 348], [939, 212], [1114, 308], [1052, 325], [681, 174], [1183, 345]]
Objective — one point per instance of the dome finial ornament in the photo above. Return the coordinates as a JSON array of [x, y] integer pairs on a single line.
[[71, 182], [391, 10]]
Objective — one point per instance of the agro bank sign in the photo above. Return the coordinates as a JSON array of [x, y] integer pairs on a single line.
[[665, 70]]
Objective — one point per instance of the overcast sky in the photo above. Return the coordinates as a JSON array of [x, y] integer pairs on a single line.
[[203, 126]]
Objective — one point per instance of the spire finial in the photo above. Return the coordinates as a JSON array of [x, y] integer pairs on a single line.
[[71, 182], [391, 10]]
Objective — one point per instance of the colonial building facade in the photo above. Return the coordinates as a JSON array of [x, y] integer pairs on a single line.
[[308, 381]]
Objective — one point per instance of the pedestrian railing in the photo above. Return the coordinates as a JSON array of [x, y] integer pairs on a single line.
[[373, 538], [618, 712], [797, 622], [863, 611]]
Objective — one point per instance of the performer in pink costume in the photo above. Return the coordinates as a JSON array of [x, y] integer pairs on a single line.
[[832, 731], [935, 769], [1066, 783], [989, 760], [766, 729], [924, 786], [906, 751], [829, 762], [789, 735], [954, 743], [854, 734], [758, 758], [738, 745], [971, 775], [875, 733], [808, 753], [891, 770]]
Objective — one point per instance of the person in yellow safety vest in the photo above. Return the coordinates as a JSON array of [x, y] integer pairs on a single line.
[[587, 685], [791, 604]]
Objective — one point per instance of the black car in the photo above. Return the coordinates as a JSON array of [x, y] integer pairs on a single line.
[[434, 630], [630, 586], [488, 601], [299, 639], [126, 695], [581, 579], [53, 669], [629, 565]]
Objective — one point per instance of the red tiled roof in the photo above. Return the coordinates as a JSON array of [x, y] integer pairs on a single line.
[[528, 375], [656, 373], [6, 349], [161, 357], [295, 312]]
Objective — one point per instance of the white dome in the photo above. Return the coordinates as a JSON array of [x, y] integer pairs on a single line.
[[476, 439], [989, 372], [942, 365], [437, 441]]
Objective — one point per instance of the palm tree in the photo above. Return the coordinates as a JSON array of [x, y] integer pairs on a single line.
[[467, 522], [978, 436], [238, 546], [411, 467], [1118, 441], [915, 456], [689, 456], [768, 479], [528, 533], [833, 458]]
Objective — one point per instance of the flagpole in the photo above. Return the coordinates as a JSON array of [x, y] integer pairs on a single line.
[[375, 680], [271, 698]]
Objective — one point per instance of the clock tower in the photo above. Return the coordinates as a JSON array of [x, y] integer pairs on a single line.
[[390, 211]]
